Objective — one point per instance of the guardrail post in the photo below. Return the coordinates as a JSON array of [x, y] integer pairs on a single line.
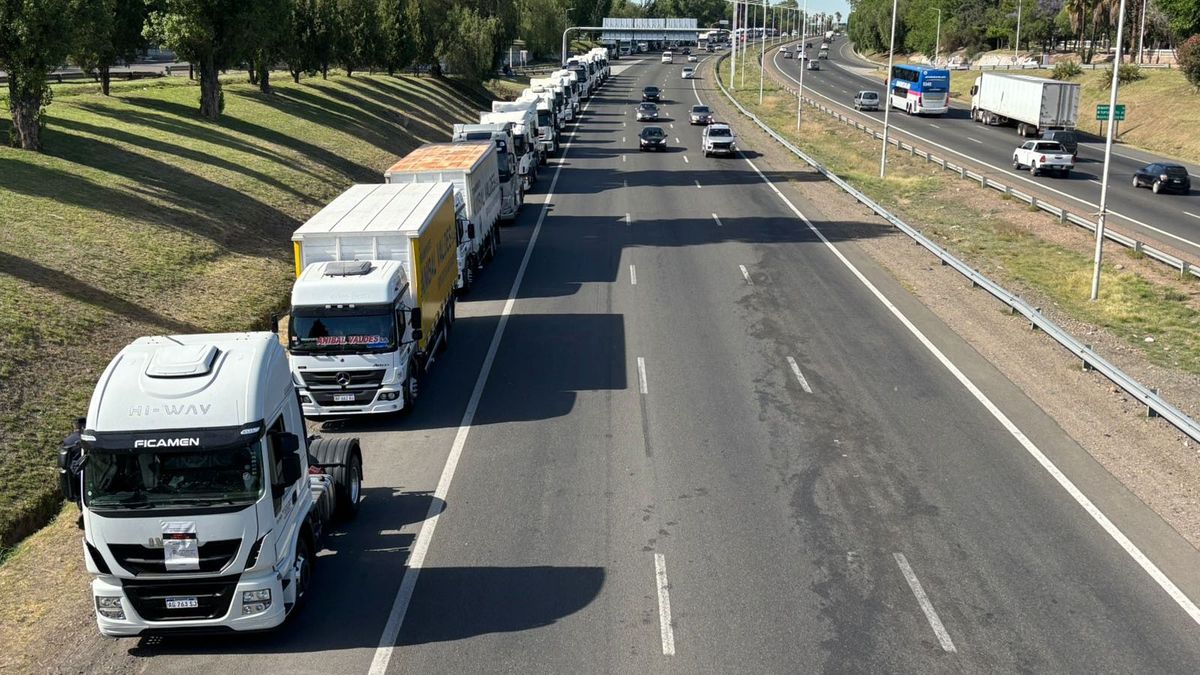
[[962, 172], [1184, 267], [1033, 202], [1033, 326], [1062, 216], [1137, 248], [983, 181], [1151, 412], [1008, 190], [1086, 366]]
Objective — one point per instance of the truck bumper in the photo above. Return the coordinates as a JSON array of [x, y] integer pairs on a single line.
[[314, 410], [134, 624]]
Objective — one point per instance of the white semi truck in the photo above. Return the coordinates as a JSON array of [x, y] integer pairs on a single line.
[[570, 82], [512, 189], [1032, 104], [562, 97], [471, 168], [373, 298], [524, 113], [547, 119], [203, 500], [523, 128]]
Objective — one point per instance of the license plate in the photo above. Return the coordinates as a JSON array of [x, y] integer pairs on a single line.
[[182, 603], [343, 397]]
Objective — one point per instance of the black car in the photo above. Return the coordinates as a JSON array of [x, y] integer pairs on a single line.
[[685, 51], [652, 138], [1162, 177], [1066, 138], [651, 94]]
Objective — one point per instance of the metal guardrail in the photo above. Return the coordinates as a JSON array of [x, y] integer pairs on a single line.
[[1156, 406], [1065, 216]]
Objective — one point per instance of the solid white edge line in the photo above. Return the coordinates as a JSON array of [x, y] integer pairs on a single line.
[[799, 375], [641, 368], [923, 600], [1092, 510], [746, 274], [633, 275], [416, 559], [666, 632]]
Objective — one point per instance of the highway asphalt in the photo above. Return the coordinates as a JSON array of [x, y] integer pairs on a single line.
[[676, 431], [1169, 218]]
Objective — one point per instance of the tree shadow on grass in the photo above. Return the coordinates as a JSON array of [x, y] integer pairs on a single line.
[[388, 114], [410, 112]]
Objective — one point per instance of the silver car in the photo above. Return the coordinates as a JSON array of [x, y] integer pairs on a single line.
[[700, 114], [866, 100], [647, 111]]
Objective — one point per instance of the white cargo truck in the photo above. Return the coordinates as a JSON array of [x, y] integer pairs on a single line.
[[1032, 104], [203, 501], [512, 189], [471, 168], [524, 113], [523, 127], [373, 298], [547, 119], [570, 82], [562, 97]]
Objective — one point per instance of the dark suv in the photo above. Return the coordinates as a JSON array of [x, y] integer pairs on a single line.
[[651, 94], [1066, 138], [1162, 177]]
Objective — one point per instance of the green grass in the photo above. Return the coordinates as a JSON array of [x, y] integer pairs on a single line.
[[140, 217], [1131, 306]]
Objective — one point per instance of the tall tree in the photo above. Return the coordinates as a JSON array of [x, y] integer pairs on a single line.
[[468, 45], [395, 41], [267, 37], [357, 45], [209, 33], [35, 36], [1183, 16], [107, 32]]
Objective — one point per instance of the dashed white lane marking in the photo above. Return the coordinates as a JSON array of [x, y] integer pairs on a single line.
[[685, 160], [746, 274], [671, 124], [633, 275], [1164, 582], [974, 140], [1189, 213], [935, 126], [799, 375], [698, 185], [628, 219], [641, 364], [923, 600], [676, 139], [664, 605], [1093, 180], [622, 158], [622, 139], [717, 219]]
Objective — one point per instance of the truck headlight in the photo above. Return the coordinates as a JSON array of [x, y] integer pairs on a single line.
[[257, 601], [109, 606]]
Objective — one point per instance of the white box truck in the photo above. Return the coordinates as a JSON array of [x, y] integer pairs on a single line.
[[523, 128], [203, 500], [547, 119], [373, 298], [512, 188], [562, 97], [1032, 104], [471, 169], [524, 113]]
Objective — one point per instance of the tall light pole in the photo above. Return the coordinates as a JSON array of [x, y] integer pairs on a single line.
[[1142, 32], [1108, 141], [937, 41], [800, 50], [733, 52], [887, 93], [1017, 44], [762, 52]]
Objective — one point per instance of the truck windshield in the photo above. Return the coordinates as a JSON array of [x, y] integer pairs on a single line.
[[519, 144], [502, 161], [359, 330], [545, 118], [168, 478]]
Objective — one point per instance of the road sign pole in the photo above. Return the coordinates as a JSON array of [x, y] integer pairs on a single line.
[[1108, 140]]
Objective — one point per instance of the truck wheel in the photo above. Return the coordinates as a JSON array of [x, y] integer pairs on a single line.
[[412, 386], [347, 478], [302, 572], [1033, 170], [1016, 164]]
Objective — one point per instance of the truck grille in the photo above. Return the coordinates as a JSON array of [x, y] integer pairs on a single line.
[[149, 598], [214, 556], [357, 378]]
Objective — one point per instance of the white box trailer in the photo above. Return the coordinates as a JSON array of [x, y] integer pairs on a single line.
[[471, 168], [1032, 104]]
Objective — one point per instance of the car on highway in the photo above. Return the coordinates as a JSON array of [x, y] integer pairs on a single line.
[[787, 53], [717, 139], [866, 100], [686, 51], [647, 111], [652, 138], [823, 53], [651, 94], [692, 58], [666, 57], [1068, 138], [700, 114], [1161, 177], [813, 64], [1039, 156], [688, 73]]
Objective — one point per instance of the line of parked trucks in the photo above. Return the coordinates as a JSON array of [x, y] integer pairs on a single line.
[[203, 497]]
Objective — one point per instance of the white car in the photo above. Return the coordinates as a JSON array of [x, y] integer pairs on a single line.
[[666, 57], [1041, 156], [689, 73], [692, 58], [717, 139]]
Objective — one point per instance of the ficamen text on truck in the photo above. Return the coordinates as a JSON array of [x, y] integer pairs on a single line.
[[373, 297]]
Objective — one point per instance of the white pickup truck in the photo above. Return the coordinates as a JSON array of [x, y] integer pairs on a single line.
[[1039, 156]]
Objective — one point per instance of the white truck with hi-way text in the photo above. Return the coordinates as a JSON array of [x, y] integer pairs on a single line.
[[373, 298], [471, 168], [203, 500], [1032, 104]]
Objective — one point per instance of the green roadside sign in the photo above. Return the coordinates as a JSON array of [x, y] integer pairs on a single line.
[[1102, 111]]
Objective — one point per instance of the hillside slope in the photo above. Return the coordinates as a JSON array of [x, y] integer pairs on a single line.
[[140, 218]]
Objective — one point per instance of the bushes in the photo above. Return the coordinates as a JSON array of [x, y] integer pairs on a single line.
[[1189, 59], [1065, 70], [1128, 72]]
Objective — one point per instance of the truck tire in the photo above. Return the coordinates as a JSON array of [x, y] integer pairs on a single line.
[[347, 476], [1016, 164], [302, 571], [1033, 168], [412, 385]]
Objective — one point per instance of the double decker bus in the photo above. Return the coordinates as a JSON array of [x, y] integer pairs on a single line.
[[920, 90]]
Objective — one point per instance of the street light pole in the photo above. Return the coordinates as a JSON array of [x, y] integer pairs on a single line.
[[1108, 141], [733, 52], [800, 50], [762, 52], [887, 94], [1017, 44], [1142, 32], [937, 41]]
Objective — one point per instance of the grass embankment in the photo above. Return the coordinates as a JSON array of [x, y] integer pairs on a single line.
[[997, 236], [141, 218]]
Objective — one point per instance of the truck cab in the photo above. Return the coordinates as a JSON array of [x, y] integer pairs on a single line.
[[202, 499], [582, 77], [560, 96], [512, 192], [545, 120], [521, 121], [570, 82]]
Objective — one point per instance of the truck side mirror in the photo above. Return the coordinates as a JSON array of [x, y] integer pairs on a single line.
[[291, 471], [285, 443], [470, 230], [414, 317]]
